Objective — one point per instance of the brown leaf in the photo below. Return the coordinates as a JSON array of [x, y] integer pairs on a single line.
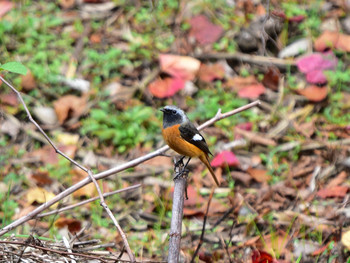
[[88, 190], [69, 106], [338, 180], [271, 78], [335, 191], [259, 175], [237, 83], [314, 93], [330, 39], [209, 73], [28, 82], [72, 224], [41, 178]]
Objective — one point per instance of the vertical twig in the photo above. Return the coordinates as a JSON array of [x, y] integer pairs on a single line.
[[176, 218], [109, 212], [201, 240]]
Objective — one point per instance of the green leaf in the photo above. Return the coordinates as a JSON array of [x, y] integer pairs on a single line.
[[15, 67]]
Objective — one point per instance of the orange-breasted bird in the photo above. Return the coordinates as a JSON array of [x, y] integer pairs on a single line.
[[183, 137]]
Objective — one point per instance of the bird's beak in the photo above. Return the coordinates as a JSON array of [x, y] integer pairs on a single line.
[[162, 109]]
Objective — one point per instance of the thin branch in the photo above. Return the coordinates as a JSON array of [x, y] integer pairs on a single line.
[[109, 212], [253, 59], [68, 207], [103, 174], [201, 240]]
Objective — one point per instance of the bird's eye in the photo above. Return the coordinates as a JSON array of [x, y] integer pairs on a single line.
[[173, 112]]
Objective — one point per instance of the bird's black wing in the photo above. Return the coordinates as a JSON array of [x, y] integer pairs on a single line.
[[190, 133]]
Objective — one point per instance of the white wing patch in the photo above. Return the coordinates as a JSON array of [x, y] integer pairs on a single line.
[[197, 137]]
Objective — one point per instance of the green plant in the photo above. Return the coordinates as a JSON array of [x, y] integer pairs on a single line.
[[123, 129], [7, 207]]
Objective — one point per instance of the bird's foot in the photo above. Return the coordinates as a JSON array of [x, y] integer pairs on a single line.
[[179, 163]]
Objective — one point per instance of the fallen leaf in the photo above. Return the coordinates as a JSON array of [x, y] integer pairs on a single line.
[[314, 93], [73, 225], [180, 67], [330, 39], [39, 195], [335, 191], [41, 178], [164, 88], [95, 38], [260, 256], [259, 175], [225, 158], [69, 106], [252, 91], [88, 190], [10, 99], [271, 78], [28, 82], [209, 73], [345, 239], [316, 77], [339, 179], [316, 61], [5, 6], [246, 126], [67, 138], [204, 31]]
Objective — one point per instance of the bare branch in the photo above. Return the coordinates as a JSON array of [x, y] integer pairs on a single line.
[[109, 212]]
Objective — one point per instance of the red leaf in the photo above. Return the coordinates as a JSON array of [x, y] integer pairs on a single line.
[[316, 77], [164, 88], [204, 31], [182, 67], [297, 19], [260, 256], [314, 93], [225, 158], [335, 191], [5, 6], [247, 126], [251, 91], [317, 61]]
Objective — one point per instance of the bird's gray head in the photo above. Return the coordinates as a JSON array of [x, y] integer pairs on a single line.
[[172, 116]]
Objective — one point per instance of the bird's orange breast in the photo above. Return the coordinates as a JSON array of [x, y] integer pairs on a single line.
[[173, 138]]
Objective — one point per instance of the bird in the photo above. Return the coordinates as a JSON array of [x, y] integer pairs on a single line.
[[184, 138]]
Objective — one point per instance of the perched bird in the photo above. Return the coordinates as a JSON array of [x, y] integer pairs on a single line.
[[183, 137]]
